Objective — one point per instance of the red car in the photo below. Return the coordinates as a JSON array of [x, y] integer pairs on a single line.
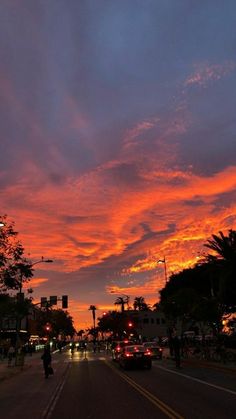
[[156, 351], [135, 356], [117, 347]]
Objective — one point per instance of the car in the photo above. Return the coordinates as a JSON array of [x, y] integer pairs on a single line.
[[154, 348], [135, 356], [117, 346], [81, 345]]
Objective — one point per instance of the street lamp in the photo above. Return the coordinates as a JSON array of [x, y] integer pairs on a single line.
[[42, 260], [165, 269]]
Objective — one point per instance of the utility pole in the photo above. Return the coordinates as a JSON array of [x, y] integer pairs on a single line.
[[165, 268]]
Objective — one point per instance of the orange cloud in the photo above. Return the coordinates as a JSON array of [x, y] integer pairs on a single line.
[[99, 231], [83, 220], [35, 282]]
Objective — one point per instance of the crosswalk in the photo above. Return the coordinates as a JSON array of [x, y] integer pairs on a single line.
[[82, 359]]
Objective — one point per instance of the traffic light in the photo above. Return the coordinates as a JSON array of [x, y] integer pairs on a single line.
[[43, 301], [130, 324], [48, 327], [53, 300], [65, 301]]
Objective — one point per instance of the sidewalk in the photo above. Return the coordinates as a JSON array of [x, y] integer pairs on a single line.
[[10, 371], [227, 367]]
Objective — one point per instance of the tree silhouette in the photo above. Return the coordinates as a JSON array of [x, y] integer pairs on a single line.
[[140, 304], [121, 301], [224, 262], [93, 309], [14, 267]]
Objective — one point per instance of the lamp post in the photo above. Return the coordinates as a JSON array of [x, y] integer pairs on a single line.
[[20, 297], [165, 268]]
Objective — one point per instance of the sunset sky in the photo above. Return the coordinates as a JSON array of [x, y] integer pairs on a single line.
[[118, 143]]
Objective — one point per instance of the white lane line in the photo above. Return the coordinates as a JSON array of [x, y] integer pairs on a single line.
[[52, 402], [197, 380]]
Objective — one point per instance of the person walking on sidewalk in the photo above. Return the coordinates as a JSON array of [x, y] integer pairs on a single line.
[[47, 359]]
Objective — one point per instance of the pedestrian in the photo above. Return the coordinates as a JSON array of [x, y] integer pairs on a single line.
[[176, 345], [10, 355], [72, 348], [47, 359], [59, 345], [84, 349]]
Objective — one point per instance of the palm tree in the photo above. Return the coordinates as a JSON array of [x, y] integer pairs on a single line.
[[138, 303], [121, 301], [223, 246], [93, 309], [224, 262]]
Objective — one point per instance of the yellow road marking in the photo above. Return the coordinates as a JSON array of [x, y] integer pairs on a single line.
[[157, 402]]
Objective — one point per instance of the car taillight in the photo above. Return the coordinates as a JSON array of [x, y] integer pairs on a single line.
[[148, 353], [118, 349], [129, 355], [160, 349]]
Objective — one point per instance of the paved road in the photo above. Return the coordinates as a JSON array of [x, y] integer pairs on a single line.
[[95, 387]]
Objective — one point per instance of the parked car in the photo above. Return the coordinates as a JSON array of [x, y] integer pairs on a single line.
[[154, 348], [135, 356], [117, 346]]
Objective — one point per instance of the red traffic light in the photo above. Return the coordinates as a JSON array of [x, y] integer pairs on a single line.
[[130, 324], [48, 327]]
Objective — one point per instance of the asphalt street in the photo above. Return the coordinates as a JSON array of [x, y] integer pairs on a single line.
[[93, 386]]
